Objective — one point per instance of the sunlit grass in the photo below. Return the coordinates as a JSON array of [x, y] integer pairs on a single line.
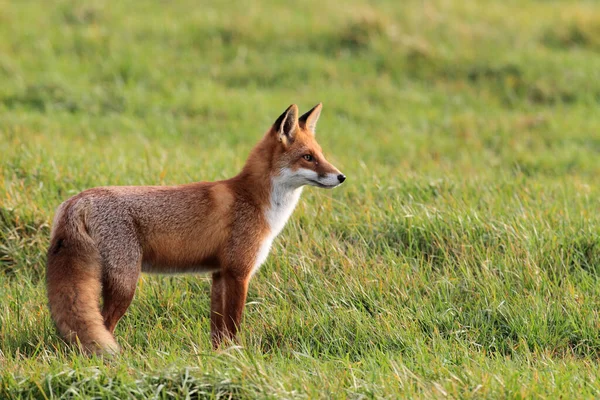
[[460, 258]]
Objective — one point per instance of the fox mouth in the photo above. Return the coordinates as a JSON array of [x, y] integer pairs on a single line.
[[321, 185]]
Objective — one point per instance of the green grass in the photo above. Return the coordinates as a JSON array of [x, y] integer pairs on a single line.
[[461, 258]]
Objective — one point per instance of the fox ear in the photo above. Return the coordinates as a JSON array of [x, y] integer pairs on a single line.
[[309, 120], [286, 125]]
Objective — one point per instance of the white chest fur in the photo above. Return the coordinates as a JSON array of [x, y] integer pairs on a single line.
[[283, 201]]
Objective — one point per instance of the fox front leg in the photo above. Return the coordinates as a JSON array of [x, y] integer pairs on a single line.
[[235, 293], [217, 320]]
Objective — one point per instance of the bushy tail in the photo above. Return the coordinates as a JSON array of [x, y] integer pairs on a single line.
[[73, 278]]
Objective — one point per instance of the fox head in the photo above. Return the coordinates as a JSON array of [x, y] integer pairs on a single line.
[[298, 159]]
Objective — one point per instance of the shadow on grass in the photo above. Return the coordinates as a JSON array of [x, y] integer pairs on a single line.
[[577, 31], [22, 245], [27, 342]]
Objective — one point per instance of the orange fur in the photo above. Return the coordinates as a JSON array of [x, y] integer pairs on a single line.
[[103, 238]]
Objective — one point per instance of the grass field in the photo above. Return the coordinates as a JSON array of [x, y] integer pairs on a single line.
[[461, 258]]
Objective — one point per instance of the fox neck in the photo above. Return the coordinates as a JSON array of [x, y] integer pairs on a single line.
[[269, 185], [283, 201]]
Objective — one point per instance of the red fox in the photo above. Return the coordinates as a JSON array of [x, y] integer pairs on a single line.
[[103, 238]]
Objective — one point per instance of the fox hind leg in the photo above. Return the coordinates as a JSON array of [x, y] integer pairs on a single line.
[[118, 287], [236, 290], [117, 293]]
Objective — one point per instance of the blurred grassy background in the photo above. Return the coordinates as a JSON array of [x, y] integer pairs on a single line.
[[460, 258]]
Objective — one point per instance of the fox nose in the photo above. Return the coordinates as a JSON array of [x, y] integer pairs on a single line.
[[341, 178]]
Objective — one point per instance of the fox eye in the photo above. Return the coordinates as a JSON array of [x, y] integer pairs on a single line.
[[308, 157]]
